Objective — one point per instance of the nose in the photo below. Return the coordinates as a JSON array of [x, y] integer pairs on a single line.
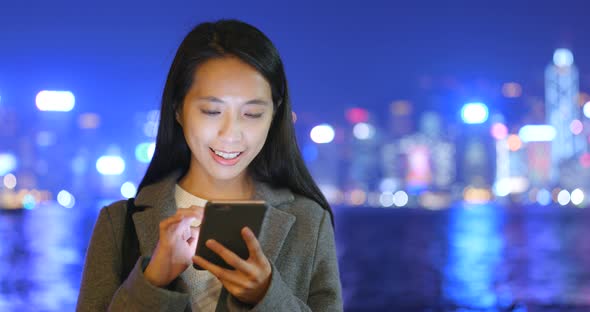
[[231, 130]]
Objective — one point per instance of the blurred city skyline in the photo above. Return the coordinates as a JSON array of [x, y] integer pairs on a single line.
[[336, 54], [410, 61]]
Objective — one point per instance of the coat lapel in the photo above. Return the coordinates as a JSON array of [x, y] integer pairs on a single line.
[[277, 223], [159, 203]]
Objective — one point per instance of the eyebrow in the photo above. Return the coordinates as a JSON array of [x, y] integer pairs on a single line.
[[217, 100]]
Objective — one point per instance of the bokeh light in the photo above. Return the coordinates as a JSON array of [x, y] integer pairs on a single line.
[[89, 121], [563, 197], [543, 197], [511, 90], [537, 133], [322, 134], [8, 163], [110, 165], [474, 113], [499, 131], [514, 142], [576, 127], [563, 58], [128, 189], [400, 198], [66, 199], [363, 131], [144, 152], [57, 101], [577, 197], [357, 115], [386, 199], [9, 181]]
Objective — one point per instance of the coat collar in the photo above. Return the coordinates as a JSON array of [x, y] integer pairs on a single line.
[[159, 201]]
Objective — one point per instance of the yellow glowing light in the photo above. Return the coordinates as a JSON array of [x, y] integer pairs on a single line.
[[401, 108], [477, 195], [357, 197], [555, 193], [511, 90], [89, 121], [514, 142]]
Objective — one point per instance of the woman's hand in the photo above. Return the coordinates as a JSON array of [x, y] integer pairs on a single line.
[[176, 246], [250, 279]]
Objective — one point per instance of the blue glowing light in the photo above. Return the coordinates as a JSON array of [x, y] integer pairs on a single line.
[[29, 202], [537, 133], [66, 199], [310, 153], [544, 197], [586, 109], [128, 190], [110, 165], [57, 101], [474, 113], [8, 163], [563, 58], [144, 152], [322, 134]]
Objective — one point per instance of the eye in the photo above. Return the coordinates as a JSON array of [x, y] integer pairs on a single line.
[[253, 115], [210, 112]]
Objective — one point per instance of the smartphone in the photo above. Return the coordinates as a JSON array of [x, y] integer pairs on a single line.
[[223, 221]]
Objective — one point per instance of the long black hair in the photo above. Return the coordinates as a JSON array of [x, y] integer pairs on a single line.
[[279, 163]]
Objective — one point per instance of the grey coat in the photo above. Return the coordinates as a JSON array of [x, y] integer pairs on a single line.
[[296, 236]]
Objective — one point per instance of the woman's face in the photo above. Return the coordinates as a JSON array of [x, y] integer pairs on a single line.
[[225, 118]]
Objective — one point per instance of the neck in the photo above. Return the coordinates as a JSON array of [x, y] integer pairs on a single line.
[[203, 186]]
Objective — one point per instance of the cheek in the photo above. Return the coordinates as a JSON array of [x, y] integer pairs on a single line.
[[197, 136]]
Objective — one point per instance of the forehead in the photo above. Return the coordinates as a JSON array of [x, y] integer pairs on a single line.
[[229, 76]]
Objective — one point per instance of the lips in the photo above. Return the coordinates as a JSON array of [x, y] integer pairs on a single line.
[[225, 158]]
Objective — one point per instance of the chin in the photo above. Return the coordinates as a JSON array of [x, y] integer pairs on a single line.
[[225, 176]]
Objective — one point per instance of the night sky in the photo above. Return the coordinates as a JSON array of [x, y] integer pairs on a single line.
[[114, 55]]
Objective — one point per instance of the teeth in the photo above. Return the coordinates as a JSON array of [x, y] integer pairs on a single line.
[[227, 155]]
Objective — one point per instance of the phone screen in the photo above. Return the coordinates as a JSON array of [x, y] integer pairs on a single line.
[[223, 221]]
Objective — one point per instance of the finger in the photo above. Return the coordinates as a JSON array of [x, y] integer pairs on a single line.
[[196, 215], [195, 232], [220, 273], [194, 239], [183, 227], [230, 257], [252, 243], [190, 212], [164, 224]]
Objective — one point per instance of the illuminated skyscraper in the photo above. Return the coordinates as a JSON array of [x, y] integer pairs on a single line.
[[561, 102]]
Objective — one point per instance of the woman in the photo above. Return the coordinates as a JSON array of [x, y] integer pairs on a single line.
[[226, 132]]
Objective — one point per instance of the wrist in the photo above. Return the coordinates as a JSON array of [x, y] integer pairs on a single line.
[[152, 273]]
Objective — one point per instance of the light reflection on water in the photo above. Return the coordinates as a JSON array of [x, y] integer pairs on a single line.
[[471, 258], [467, 258], [41, 258], [473, 274]]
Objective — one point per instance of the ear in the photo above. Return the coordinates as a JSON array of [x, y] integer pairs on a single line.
[[178, 119]]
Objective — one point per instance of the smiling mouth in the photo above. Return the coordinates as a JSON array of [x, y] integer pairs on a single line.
[[226, 155]]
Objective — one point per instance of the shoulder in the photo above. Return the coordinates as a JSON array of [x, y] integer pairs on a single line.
[[309, 214], [113, 216]]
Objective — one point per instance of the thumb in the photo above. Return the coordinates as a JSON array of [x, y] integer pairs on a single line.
[[194, 239]]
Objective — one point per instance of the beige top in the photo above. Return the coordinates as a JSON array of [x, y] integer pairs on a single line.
[[205, 294]]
